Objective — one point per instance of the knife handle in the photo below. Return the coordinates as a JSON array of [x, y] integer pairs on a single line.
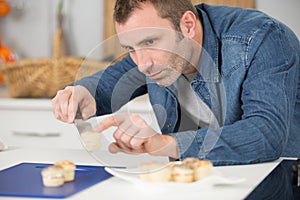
[[79, 115]]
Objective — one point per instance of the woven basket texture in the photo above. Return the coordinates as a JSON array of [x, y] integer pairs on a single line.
[[43, 77]]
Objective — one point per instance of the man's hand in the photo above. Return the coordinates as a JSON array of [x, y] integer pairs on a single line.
[[67, 101], [134, 135]]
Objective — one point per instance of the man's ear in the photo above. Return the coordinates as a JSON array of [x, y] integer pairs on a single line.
[[188, 24]]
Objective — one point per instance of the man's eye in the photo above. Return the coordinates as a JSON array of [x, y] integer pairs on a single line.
[[149, 42], [128, 49]]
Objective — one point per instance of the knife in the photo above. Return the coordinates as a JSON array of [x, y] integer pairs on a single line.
[[82, 125]]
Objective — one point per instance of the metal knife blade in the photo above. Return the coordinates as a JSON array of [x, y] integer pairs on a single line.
[[82, 125]]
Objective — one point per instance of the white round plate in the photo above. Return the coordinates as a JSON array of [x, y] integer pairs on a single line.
[[216, 178]]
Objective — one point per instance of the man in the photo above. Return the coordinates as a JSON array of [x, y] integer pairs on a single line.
[[223, 83]]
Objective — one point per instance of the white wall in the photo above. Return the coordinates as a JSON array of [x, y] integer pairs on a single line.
[[30, 25], [286, 11]]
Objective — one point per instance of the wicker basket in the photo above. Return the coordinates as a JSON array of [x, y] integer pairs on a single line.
[[43, 77]]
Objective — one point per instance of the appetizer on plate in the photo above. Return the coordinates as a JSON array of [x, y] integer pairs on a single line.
[[182, 173], [189, 170], [155, 172], [201, 167]]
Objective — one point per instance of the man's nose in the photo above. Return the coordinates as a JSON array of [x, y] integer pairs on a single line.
[[143, 61]]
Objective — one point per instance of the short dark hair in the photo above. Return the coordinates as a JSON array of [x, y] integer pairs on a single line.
[[169, 9]]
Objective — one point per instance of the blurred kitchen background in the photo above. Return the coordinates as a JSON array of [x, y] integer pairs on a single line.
[[28, 28], [30, 25]]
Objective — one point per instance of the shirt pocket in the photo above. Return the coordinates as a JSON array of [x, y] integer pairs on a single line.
[[234, 55]]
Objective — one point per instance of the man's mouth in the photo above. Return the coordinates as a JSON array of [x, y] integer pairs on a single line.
[[155, 75]]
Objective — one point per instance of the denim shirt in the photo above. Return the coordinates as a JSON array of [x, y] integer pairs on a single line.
[[249, 78]]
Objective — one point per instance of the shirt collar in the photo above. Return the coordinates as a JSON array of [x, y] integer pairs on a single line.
[[209, 58]]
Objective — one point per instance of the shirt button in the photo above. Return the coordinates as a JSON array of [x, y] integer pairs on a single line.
[[169, 125]]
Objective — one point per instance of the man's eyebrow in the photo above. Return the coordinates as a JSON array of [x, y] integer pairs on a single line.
[[139, 43], [125, 46]]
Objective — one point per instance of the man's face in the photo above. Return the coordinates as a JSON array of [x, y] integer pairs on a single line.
[[159, 51]]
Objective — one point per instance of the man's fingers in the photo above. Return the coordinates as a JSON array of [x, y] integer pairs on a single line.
[[131, 135], [87, 111], [119, 146], [67, 101], [114, 148], [64, 97], [57, 113], [72, 109], [108, 122], [60, 105]]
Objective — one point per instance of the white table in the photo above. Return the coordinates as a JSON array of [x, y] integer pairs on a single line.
[[115, 188]]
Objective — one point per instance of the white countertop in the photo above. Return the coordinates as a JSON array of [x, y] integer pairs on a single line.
[[35, 116], [115, 188], [138, 104]]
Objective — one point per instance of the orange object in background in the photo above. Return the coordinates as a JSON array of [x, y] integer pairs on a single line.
[[6, 55], [4, 7]]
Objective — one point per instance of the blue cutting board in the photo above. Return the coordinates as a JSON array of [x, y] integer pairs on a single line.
[[25, 180]]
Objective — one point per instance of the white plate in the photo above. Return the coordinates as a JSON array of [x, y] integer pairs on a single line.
[[216, 178]]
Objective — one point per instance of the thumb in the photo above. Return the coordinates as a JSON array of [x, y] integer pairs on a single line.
[[114, 148]]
